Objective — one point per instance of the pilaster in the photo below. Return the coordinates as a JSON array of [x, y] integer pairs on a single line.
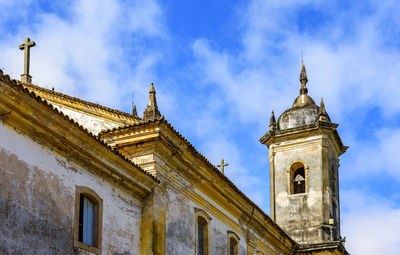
[[153, 224]]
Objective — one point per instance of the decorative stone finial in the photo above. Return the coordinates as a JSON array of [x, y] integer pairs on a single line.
[[322, 115], [303, 80], [272, 122], [134, 111], [152, 90], [151, 113]]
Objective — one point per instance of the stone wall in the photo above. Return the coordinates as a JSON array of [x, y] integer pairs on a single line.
[[37, 197], [181, 228], [301, 215]]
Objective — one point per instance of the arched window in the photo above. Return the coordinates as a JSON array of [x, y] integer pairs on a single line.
[[202, 234], [298, 178], [88, 220], [233, 243]]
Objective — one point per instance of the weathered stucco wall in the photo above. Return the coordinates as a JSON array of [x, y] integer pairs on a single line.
[[37, 197], [332, 194], [187, 184], [93, 124], [306, 217], [299, 214], [181, 228]]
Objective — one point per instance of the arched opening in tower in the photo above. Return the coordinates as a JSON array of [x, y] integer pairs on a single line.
[[299, 181]]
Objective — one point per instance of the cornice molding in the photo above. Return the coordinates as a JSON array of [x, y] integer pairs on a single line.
[[36, 118]]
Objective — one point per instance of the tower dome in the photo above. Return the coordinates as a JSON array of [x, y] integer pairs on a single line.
[[304, 111]]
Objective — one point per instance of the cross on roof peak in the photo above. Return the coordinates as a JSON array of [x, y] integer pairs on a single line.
[[25, 77]]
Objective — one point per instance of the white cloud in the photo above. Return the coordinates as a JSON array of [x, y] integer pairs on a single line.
[[376, 157], [371, 224], [91, 49], [247, 91], [345, 58]]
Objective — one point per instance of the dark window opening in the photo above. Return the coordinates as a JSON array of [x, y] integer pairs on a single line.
[[232, 246], [201, 225], [299, 181], [86, 220]]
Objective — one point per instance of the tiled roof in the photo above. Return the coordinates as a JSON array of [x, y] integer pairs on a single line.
[[32, 87], [23, 88]]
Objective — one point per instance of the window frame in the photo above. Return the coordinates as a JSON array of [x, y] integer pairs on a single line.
[[98, 219], [200, 213], [296, 164], [233, 236]]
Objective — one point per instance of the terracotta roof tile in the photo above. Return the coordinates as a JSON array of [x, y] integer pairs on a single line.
[[17, 84], [78, 100]]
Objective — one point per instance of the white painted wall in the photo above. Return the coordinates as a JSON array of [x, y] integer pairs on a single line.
[[39, 187], [181, 227]]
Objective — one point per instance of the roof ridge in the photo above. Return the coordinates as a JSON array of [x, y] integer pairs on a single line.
[[6, 78], [76, 99], [119, 128]]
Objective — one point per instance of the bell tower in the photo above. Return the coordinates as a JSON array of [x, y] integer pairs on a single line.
[[304, 149]]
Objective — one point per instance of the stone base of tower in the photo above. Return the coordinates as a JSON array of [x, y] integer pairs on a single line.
[[307, 236], [322, 249]]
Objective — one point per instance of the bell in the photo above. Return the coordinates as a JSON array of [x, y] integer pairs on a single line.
[[299, 178]]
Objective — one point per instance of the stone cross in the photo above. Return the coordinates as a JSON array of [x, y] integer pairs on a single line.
[[25, 77], [222, 165]]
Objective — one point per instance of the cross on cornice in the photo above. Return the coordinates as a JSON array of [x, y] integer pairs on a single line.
[[222, 165], [25, 77]]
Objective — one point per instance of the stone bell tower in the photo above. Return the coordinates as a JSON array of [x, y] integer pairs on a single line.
[[304, 149]]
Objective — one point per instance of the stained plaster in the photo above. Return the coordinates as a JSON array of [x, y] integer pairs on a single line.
[[37, 202]]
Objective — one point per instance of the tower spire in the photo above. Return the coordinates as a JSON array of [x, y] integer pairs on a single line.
[[151, 113], [303, 79], [134, 111]]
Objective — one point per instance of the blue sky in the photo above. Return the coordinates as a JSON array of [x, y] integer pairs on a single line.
[[220, 67]]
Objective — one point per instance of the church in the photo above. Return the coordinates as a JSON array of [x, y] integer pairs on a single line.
[[80, 178]]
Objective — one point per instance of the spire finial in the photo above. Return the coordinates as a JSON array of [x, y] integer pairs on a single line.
[[322, 115], [272, 122], [303, 79], [152, 90], [302, 57], [151, 113], [134, 111]]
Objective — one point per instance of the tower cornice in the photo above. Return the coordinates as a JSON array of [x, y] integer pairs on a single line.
[[318, 128]]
